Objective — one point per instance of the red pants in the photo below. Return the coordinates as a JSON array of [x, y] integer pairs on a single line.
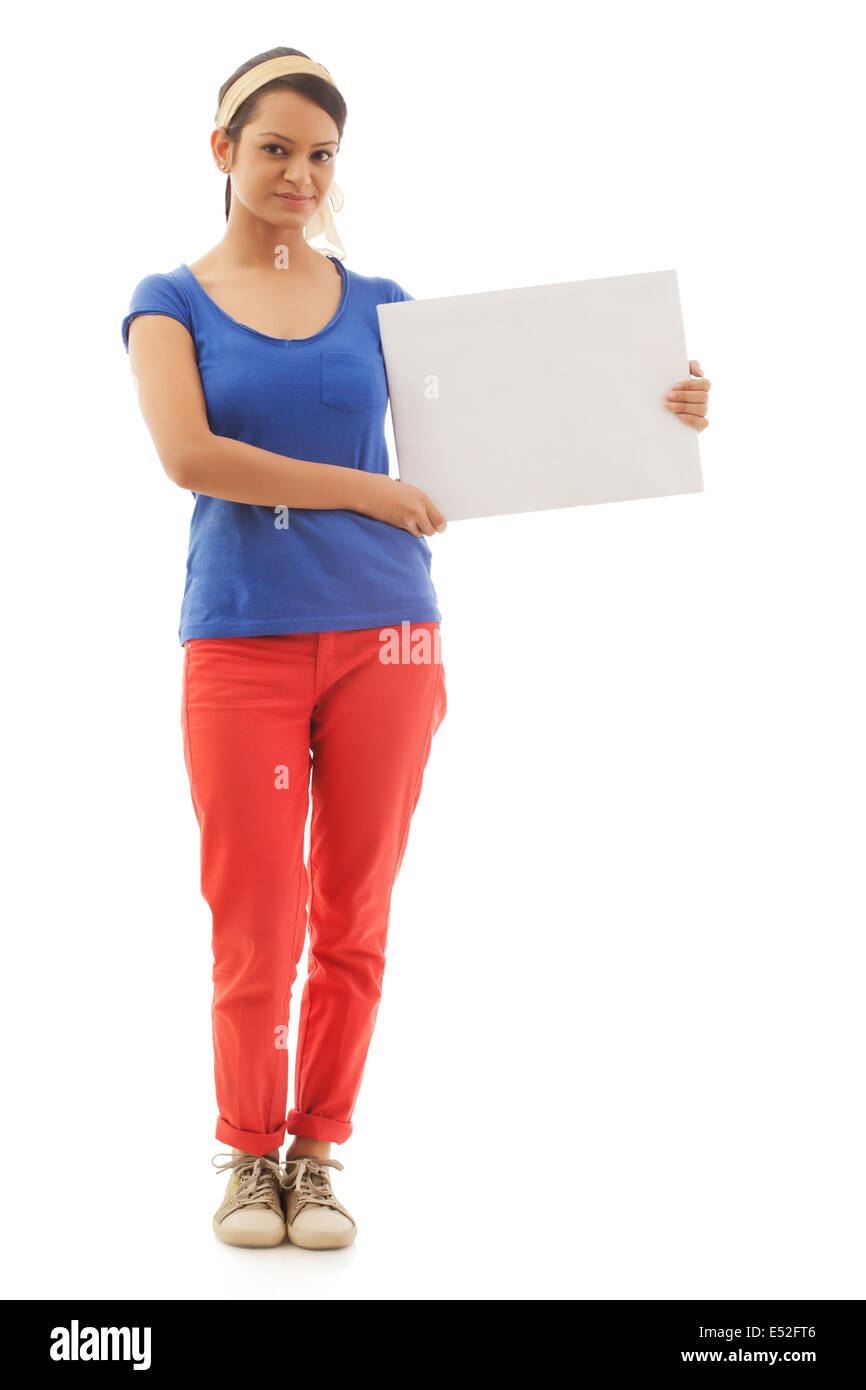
[[260, 714]]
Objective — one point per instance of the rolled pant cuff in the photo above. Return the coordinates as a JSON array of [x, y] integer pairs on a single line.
[[249, 1141], [318, 1127]]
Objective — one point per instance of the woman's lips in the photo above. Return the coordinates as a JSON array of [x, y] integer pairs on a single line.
[[295, 202]]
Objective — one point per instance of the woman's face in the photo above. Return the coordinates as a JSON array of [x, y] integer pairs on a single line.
[[288, 148]]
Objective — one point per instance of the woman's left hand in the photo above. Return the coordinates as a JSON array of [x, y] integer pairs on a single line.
[[688, 399]]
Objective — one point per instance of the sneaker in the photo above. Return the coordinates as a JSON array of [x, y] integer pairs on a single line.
[[314, 1217], [251, 1213]]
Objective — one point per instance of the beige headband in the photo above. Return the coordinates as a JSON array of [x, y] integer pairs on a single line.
[[323, 222]]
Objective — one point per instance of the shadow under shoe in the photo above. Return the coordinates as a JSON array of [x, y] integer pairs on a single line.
[[251, 1212], [314, 1217]]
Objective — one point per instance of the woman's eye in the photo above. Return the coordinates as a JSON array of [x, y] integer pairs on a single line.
[[328, 154]]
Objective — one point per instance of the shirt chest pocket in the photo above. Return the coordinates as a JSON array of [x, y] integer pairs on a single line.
[[349, 380]]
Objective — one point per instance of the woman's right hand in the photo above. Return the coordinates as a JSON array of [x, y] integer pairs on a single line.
[[401, 505]]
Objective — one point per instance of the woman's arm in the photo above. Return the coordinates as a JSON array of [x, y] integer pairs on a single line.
[[237, 472], [162, 357]]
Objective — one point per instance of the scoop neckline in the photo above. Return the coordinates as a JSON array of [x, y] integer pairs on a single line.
[[268, 337]]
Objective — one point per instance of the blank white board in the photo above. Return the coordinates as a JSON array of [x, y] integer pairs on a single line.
[[545, 396]]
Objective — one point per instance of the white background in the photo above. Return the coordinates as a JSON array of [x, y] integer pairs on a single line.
[[620, 1049]]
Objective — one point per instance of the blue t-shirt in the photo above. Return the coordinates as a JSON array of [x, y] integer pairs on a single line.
[[253, 570]]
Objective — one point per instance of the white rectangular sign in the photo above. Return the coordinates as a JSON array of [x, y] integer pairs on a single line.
[[548, 396]]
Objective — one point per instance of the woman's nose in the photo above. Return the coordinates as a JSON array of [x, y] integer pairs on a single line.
[[297, 172]]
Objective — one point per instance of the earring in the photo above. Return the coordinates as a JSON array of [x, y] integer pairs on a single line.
[[322, 224]]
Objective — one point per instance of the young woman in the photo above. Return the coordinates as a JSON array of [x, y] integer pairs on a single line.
[[310, 630]]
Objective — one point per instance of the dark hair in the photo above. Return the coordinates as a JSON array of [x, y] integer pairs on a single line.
[[320, 91]]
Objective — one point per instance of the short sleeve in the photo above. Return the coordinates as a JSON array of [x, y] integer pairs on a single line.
[[394, 293], [157, 294]]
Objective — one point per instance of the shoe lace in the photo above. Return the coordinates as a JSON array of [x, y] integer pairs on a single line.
[[259, 1175], [309, 1176]]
